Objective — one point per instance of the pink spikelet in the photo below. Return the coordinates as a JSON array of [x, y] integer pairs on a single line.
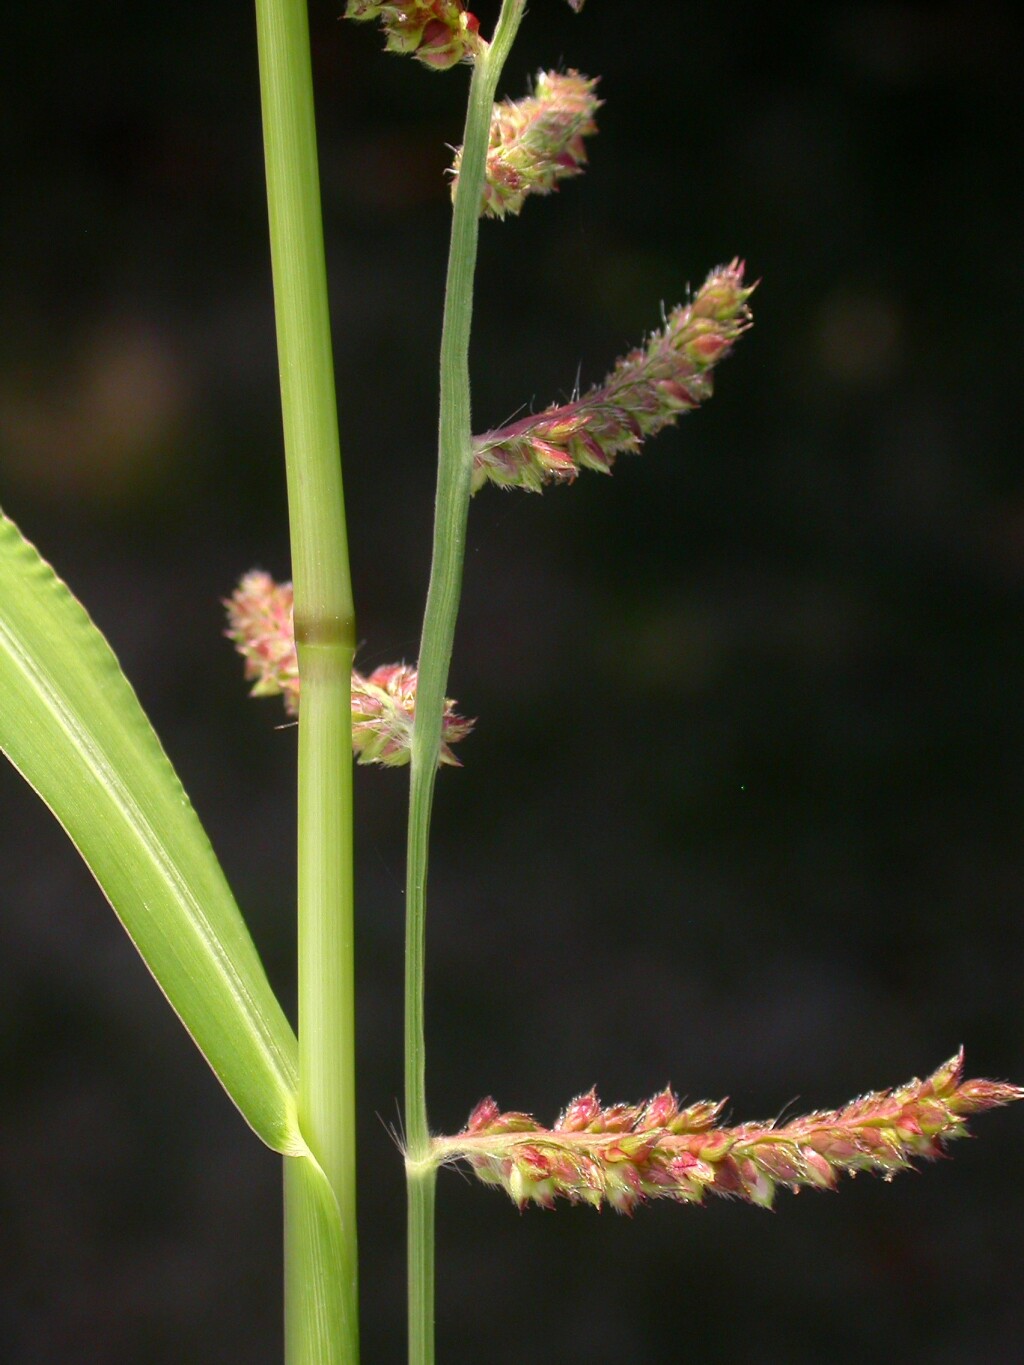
[[383, 703], [623, 1155], [383, 711], [647, 390], [536, 142], [260, 627], [438, 33]]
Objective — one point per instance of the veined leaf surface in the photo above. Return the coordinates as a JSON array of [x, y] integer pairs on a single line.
[[73, 727]]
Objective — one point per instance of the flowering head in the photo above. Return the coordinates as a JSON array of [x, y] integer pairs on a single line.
[[383, 712], [260, 623], [260, 627], [625, 1154], [537, 141], [438, 33], [647, 390]]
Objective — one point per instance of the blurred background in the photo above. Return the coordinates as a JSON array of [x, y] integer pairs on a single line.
[[742, 810]]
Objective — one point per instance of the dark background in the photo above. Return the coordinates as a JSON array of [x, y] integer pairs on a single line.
[[742, 810]]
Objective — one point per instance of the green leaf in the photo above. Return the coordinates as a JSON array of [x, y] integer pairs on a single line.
[[72, 726]]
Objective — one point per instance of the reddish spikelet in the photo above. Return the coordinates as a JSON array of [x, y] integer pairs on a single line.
[[626, 1154], [536, 142], [383, 704], [439, 33], [383, 711], [260, 627], [647, 390]]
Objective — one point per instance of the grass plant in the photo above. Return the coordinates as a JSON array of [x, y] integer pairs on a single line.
[[71, 724]]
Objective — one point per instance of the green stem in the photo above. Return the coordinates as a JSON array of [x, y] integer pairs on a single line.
[[421, 1189], [325, 638], [455, 467]]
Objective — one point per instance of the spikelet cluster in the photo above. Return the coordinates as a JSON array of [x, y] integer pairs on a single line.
[[383, 711], [536, 142], [625, 1154], [647, 390], [438, 33], [383, 702], [260, 627]]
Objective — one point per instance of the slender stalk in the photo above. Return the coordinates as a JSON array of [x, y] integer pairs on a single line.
[[325, 638], [422, 1188], [455, 467]]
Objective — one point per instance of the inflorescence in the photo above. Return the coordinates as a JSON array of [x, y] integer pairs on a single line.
[[646, 391], [383, 702], [625, 1154]]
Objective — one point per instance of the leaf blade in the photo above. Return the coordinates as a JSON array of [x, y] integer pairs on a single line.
[[73, 727]]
